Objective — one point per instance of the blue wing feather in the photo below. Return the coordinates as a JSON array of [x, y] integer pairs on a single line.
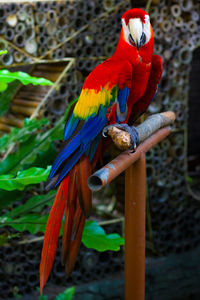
[[122, 99], [93, 147], [122, 110], [70, 163], [70, 127], [79, 144], [65, 153]]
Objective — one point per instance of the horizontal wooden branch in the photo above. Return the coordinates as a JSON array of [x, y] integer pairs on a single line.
[[153, 123], [150, 133]]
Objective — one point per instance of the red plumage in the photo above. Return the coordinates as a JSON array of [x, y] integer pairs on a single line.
[[134, 13]]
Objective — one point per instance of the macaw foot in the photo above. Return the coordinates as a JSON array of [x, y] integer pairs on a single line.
[[131, 130]]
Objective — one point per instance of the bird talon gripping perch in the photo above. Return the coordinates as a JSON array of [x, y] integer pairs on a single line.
[[125, 127], [119, 90]]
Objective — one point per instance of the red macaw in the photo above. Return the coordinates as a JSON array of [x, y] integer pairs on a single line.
[[115, 92]]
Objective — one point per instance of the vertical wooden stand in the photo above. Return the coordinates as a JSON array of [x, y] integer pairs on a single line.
[[135, 194]]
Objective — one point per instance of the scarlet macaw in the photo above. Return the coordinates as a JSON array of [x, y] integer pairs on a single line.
[[115, 92]]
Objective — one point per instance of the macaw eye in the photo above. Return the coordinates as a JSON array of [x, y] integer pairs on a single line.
[[143, 39]]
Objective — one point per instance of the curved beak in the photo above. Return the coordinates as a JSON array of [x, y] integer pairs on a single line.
[[136, 29]]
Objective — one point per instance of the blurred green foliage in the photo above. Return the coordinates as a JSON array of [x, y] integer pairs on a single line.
[[10, 81], [7, 96], [66, 295], [7, 77], [28, 165], [3, 52], [18, 135]]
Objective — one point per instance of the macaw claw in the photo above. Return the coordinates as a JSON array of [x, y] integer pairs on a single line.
[[130, 129], [105, 130]]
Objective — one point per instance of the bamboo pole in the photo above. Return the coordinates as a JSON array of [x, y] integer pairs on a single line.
[[30, 96], [12, 120], [26, 111], [25, 102], [5, 128]]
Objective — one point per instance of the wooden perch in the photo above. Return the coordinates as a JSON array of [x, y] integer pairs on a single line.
[[150, 133], [153, 123]]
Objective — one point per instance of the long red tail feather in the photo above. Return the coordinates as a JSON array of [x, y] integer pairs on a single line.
[[52, 232], [69, 215], [79, 205], [74, 200], [75, 242], [83, 171]]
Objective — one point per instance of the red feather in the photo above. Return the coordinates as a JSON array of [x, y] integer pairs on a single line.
[[79, 221], [83, 171], [52, 232], [69, 215], [79, 204]]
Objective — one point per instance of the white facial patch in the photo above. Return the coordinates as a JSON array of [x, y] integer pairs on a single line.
[[146, 28], [126, 31]]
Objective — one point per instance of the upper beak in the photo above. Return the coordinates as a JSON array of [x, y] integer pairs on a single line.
[[136, 29]]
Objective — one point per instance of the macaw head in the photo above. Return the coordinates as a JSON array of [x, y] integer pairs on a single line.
[[136, 27]]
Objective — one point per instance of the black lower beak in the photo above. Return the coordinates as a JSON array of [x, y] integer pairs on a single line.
[[138, 46], [133, 42]]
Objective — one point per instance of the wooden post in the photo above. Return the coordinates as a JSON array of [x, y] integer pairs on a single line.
[[135, 194]]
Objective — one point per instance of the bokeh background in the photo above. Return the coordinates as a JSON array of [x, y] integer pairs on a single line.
[[63, 41]]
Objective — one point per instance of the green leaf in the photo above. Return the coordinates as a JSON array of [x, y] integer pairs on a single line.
[[32, 223], [3, 52], [28, 151], [33, 204], [66, 295], [5, 98], [27, 216], [18, 135], [30, 176], [95, 237], [42, 297], [3, 86], [22, 158], [7, 77]]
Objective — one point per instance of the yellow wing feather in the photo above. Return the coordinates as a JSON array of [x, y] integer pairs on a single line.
[[90, 100]]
